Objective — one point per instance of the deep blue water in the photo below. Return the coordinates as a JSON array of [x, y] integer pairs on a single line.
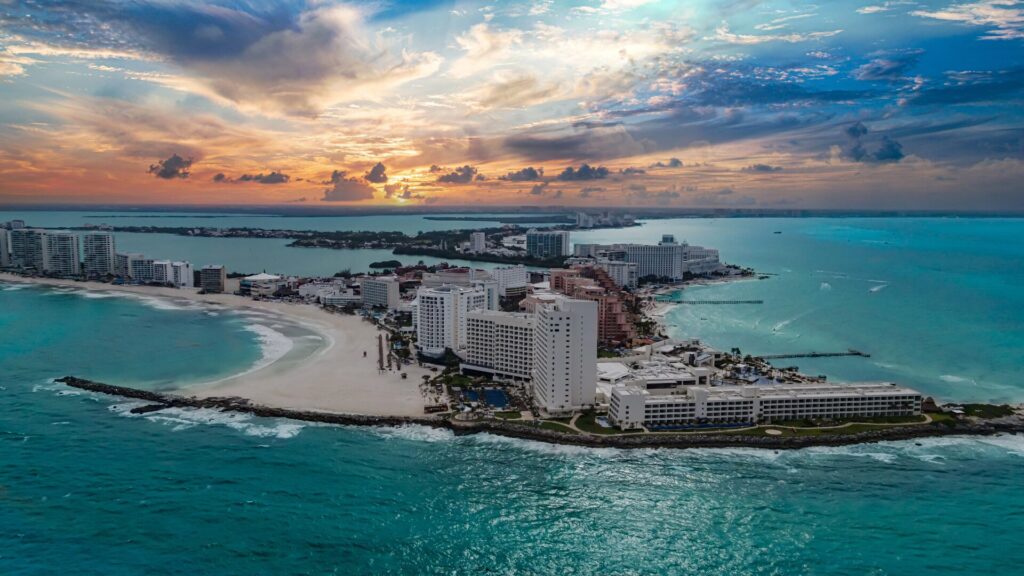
[[86, 488]]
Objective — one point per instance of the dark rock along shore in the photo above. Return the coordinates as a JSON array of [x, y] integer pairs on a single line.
[[161, 401]]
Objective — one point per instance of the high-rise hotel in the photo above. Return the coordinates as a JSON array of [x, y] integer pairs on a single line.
[[100, 255]]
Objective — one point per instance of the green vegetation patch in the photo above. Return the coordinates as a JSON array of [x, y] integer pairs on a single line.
[[588, 423], [988, 410], [547, 425], [508, 415]]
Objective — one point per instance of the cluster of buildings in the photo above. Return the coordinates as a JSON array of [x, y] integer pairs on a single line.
[[604, 219], [680, 386], [367, 292], [633, 407], [666, 259], [553, 347], [93, 254]]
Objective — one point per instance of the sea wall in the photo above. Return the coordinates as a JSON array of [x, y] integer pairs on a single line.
[[526, 431]]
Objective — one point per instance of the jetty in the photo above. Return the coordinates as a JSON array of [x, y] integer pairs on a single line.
[[850, 352]]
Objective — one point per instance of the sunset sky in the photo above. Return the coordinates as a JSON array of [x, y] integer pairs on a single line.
[[732, 103]]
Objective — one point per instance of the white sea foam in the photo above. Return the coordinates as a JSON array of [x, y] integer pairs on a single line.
[[125, 408], [13, 287], [825, 286], [415, 432], [954, 379], [96, 295], [185, 418], [273, 343], [878, 288], [855, 451]]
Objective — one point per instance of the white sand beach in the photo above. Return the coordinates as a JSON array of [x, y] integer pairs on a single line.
[[336, 378]]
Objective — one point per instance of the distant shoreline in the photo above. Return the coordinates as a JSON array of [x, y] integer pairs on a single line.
[[643, 213]]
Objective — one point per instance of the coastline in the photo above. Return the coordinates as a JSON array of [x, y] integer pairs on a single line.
[[525, 432], [335, 378], [313, 389]]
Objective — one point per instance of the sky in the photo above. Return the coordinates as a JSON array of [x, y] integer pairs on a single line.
[[888, 105]]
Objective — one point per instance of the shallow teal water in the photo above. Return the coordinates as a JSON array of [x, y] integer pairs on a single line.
[[255, 255], [938, 303], [86, 488]]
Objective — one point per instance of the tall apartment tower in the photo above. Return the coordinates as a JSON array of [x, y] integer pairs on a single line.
[[547, 243], [30, 248], [64, 256], [565, 355], [477, 242], [441, 316], [182, 272], [5, 248], [98, 251]]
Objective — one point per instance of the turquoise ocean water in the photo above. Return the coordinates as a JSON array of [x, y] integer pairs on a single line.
[[86, 488]]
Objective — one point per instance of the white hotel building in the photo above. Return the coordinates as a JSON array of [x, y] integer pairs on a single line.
[[564, 374], [668, 258], [511, 279], [632, 407], [98, 250], [5, 248], [30, 248], [381, 291], [64, 257], [441, 314], [500, 343]]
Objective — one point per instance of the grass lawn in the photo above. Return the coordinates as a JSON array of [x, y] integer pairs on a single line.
[[508, 415], [944, 419], [546, 425], [459, 380], [588, 423]]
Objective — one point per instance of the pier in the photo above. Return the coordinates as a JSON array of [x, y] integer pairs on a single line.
[[815, 355]]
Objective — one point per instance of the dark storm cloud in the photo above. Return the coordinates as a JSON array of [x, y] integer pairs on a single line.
[[345, 189], [588, 191], [528, 174], [672, 163], [461, 175], [272, 178], [584, 172], [538, 189], [974, 87], [888, 151], [261, 178], [762, 168], [171, 168], [631, 171], [377, 174], [888, 67]]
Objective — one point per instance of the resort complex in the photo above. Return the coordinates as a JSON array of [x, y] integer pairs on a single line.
[[513, 339]]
